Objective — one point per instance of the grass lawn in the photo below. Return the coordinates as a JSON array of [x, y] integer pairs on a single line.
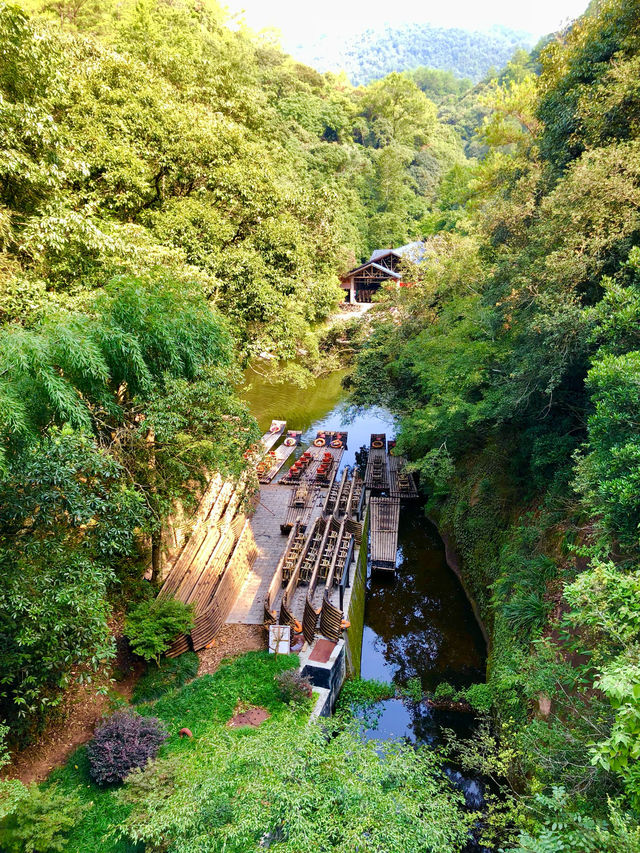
[[202, 705]]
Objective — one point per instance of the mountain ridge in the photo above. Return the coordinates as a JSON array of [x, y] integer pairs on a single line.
[[376, 52]]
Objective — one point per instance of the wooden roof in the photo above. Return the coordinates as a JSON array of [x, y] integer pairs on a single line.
[[372, 265]]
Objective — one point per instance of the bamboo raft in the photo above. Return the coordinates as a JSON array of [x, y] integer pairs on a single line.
[[384, 521], [273, 435], [319, 462], [293, 550], [217, 587], [326, 457], [401, 483], [335, 490], [314, 569], [356, 497], [332, 621], [344, 498], [313, 550], [335, 554], [376, 477], [283, 572], [321, 571], [307, 558], [267, 469], [218, 504]]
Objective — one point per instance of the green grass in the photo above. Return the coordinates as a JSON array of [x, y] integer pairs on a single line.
[[202, 705], [170, 674]]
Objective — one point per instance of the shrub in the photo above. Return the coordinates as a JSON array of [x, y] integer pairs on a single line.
[[359, 693], [413, 689], [294, 688], [165, 676], [444, 691], [39, 822], [121, 743], [525, 612], [480, 697], [153, 625]]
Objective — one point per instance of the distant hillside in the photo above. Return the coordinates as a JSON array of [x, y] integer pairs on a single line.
[[374, 53]]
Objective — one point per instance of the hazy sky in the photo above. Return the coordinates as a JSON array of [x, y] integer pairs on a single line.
[[305, 20]]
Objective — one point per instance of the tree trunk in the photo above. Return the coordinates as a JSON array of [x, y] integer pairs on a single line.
[[156, 536], [156, 556]]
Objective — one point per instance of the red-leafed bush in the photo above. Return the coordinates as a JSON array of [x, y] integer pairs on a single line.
[[121, 743], [294, 688]]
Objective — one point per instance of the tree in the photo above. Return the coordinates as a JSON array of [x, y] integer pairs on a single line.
[[153, 625], [68, 518], [398, 111]]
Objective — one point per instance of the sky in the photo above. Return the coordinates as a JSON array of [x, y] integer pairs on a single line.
[[303, 21]]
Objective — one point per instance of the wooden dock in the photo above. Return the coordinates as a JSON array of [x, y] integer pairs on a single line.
[[240, 569], [384, 521], [265, 524]]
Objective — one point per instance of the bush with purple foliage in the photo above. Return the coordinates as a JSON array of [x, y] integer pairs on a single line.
[[121, 743], [294, 687]]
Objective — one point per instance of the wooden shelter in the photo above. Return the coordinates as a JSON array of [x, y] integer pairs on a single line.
[[363, 282]]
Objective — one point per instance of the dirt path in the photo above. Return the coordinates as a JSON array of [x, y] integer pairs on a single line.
[[82, 708], [233, 640]]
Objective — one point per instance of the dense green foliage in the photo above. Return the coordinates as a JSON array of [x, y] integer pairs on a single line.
[[319, 787], [39, 821], [172, 140], [513, 363], [374, 53], [153, 625]]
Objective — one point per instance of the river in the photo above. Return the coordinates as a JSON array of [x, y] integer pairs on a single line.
[[416, 625]]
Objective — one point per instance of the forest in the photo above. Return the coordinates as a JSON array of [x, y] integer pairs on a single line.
[[373, 53], [178, 198], [513, 363]]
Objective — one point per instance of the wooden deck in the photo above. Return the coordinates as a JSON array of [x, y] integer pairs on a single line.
[[270, 543], [302, 499], [384, 521]]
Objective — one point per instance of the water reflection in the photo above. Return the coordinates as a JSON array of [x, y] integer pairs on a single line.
[[420, 624]]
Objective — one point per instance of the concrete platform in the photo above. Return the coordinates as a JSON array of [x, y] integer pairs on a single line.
[[265, 524]]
